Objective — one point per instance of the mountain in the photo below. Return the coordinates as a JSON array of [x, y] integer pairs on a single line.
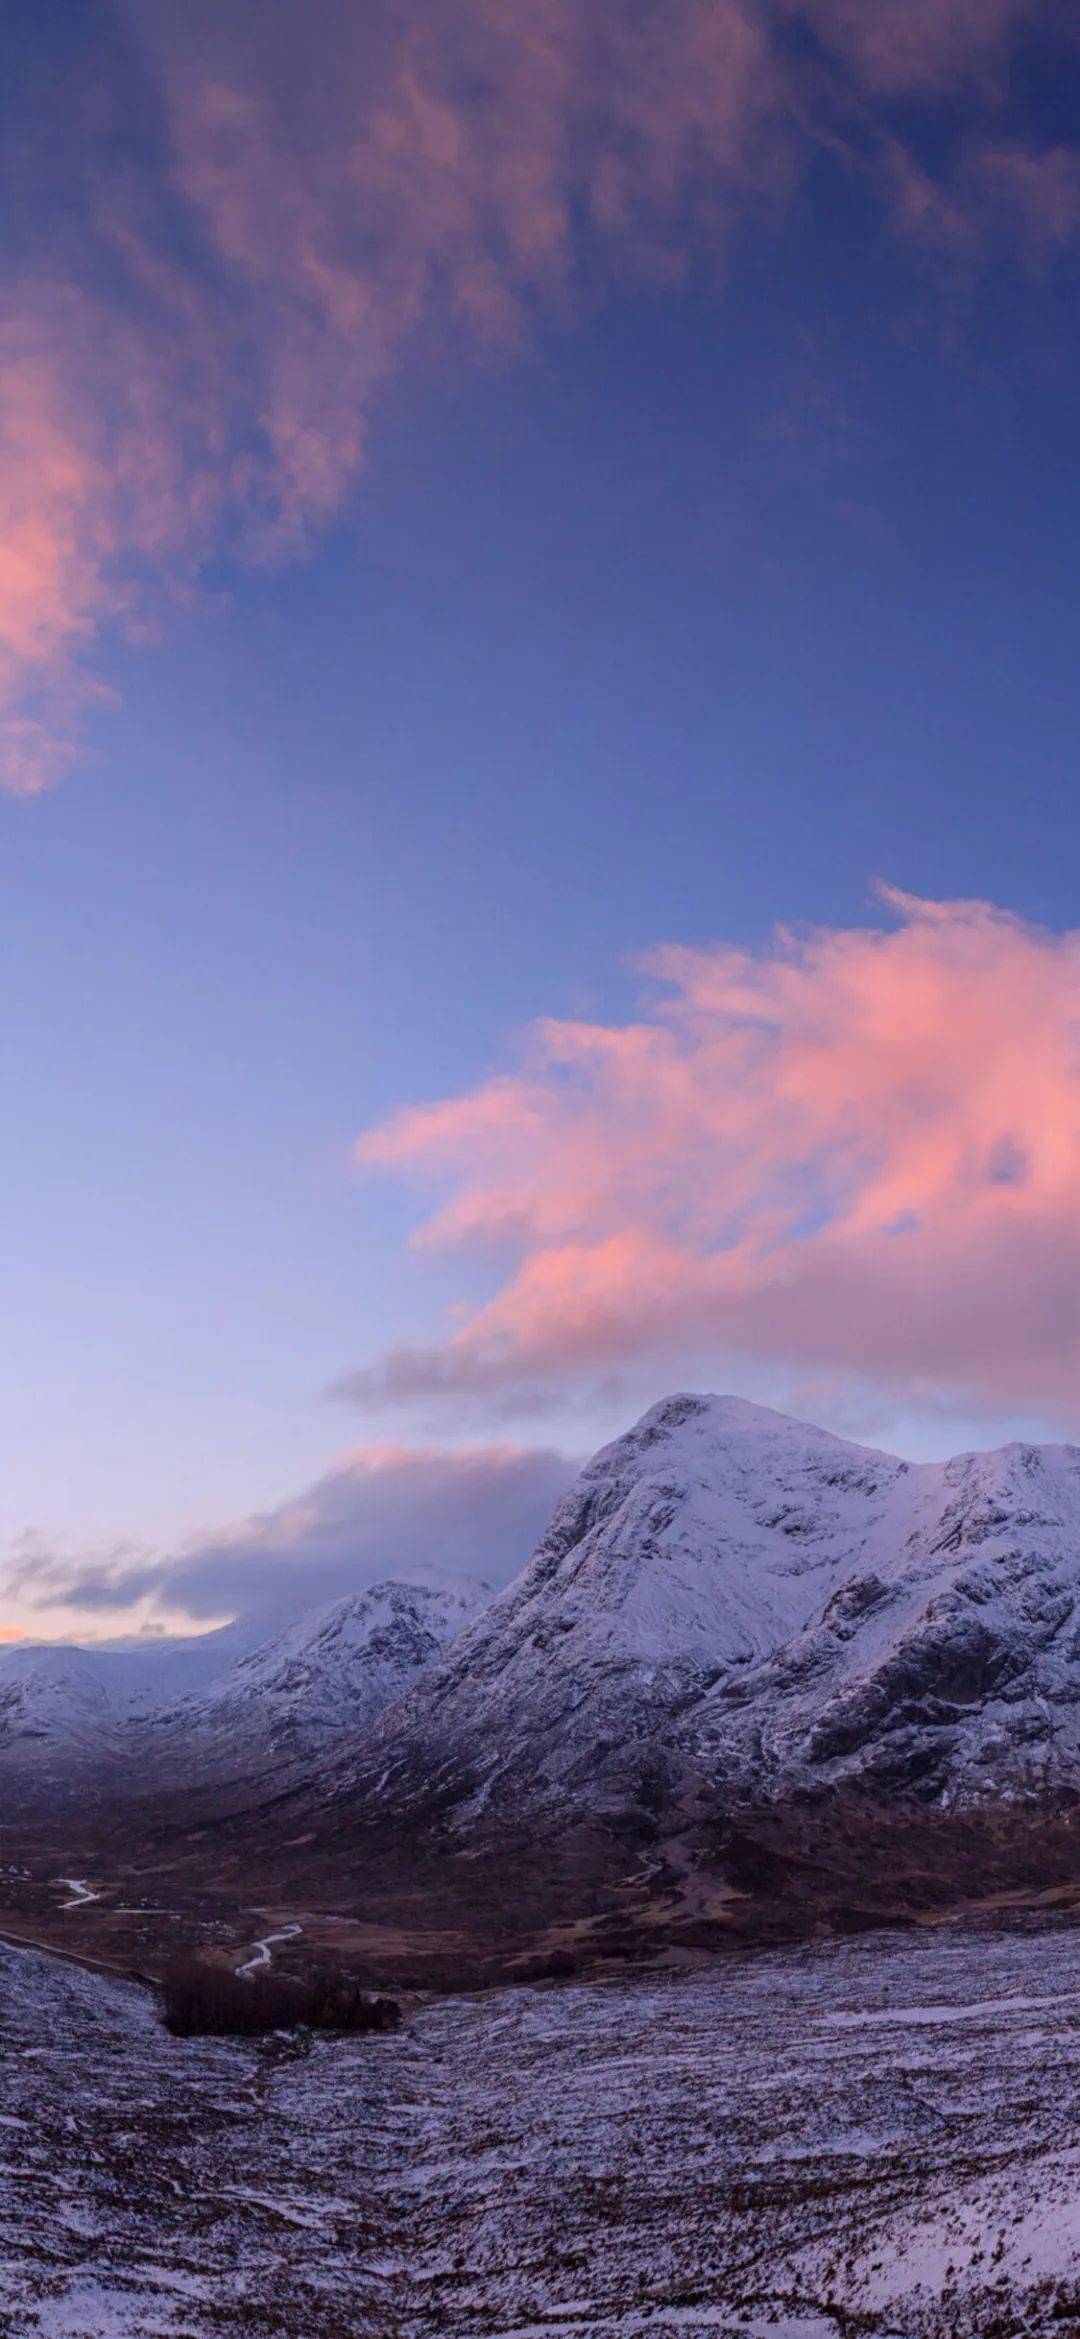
[[732, 1596], [57, 1698], [326, 1677], [753, 1679], [112, 1721], [753, 1676], [686, 1553]]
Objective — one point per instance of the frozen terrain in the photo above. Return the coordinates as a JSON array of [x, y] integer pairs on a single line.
[[881, 2137]]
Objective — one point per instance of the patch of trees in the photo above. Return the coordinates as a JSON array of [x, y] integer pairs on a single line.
[[200, 2000]]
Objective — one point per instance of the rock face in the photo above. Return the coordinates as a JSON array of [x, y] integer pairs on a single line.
[[947, 1664]]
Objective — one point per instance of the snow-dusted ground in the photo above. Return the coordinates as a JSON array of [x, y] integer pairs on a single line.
[[873, 2136], [158, 2189]]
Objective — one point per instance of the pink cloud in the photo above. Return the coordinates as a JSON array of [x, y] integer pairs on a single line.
[[194, 373], [856, 1152], [52, 552]]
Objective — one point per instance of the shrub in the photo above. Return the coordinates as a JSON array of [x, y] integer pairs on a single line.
[[199, 2000]]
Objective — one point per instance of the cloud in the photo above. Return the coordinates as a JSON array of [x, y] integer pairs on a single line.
[[382, 1511], [259, 210], [1036, 189], [855, 1155], [920, 46]]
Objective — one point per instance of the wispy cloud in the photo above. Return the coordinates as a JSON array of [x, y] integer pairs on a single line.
[[855, 1155], [382, 1511], [920, 46], [269, 204]]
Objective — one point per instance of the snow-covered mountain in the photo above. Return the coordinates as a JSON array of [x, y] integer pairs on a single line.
[[730, 1610], [687, 1552], [115, 1719], [731, 1606], [64, 1693], [323, 1678]]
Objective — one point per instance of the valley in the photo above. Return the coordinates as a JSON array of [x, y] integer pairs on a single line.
[[756, 1685]]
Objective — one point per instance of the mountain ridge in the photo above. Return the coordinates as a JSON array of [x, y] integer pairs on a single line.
[[230, 1702]]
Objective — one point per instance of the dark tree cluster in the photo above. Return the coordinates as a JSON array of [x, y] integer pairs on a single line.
[[200, 2000]]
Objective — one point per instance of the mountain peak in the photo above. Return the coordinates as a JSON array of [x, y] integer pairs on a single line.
[[713, 1418]]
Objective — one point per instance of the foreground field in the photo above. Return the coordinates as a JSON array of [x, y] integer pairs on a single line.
[[874, 2136]]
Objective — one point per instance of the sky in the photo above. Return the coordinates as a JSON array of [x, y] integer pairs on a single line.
[[539, 693]]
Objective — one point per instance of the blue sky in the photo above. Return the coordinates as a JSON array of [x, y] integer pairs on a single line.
[[682, 611]]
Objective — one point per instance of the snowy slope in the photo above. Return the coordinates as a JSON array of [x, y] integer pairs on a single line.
[[878, 2140], [218, 1704], [54, 1694]]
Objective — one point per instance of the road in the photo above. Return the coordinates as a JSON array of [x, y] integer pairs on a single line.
[[261, 1956]]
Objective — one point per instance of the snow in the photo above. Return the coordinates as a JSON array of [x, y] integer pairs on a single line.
[[951, 1654], [64, 1707], [709, 1533], [336, 1668], [324, 1679], [768, 2146], [702, 1540], [63, 1683]]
